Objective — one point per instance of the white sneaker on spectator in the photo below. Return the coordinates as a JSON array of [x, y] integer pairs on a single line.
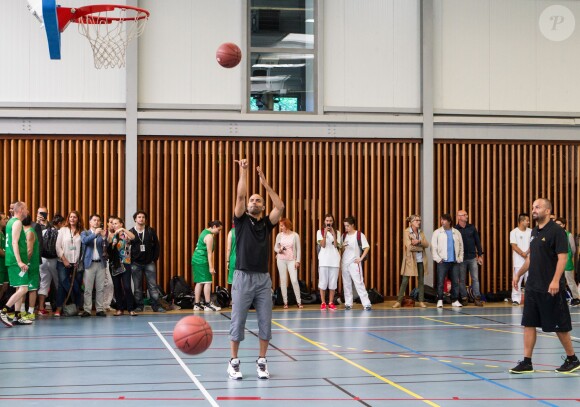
[[456, 304], [5, 318], [234, 369], [262, 367], [440, 304], [211, 307]]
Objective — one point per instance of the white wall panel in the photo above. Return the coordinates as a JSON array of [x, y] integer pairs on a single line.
[[177, 52], [28, 75], [491, 55], [462, 54], [372, 53]]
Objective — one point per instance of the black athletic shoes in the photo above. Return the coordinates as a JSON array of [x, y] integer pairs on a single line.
[[569, 365], [522, 367]]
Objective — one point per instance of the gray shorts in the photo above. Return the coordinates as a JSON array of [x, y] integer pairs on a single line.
[[248, 289]]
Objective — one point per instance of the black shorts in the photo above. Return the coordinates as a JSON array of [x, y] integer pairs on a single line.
[[546, 311]]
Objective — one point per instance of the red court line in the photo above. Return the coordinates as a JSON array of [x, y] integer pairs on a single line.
[[257, 398]]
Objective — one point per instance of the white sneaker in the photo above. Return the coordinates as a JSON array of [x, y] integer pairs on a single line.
[[456, 304], [5, 319], [234, 369], [440, 304], [197, 307], [21, 320], [262, 366], [211, 307]]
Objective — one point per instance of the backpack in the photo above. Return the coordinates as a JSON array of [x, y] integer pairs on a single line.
[[430, 294], [222, 297], [178, 287], [470, 295], [48, 250], [375, 297], [359, 241], [414, 294], [306, 297], [185, 301]]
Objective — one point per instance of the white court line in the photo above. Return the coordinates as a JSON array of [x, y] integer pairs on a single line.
[[212, 322], [208, 397]]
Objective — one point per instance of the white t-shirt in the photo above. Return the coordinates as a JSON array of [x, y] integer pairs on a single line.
[[522, 240], [328, 256], [351, 249]]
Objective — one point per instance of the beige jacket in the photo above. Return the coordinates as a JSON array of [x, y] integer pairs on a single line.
[[439, 245], [409, 266]]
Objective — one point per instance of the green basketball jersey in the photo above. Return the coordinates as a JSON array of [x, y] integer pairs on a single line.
[[200, 253], [3, 245], [34, 262], [22, 249], [570, 260], [232, 258]]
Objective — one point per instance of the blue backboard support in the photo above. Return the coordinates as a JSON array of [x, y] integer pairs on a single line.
[[50, 17]]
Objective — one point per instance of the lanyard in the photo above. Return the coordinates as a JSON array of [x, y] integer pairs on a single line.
[[141, 235]]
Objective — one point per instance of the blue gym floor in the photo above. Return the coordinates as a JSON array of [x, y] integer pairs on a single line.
[[404, 357]]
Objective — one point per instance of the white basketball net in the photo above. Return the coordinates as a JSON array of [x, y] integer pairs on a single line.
[[109, 32]]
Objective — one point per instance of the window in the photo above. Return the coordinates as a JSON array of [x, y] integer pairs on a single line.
[[282, 55]]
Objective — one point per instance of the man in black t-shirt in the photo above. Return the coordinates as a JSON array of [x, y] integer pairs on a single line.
[[252, 283], [545, 303], [144, 253]]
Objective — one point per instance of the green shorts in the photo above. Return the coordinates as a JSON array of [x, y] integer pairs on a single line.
[[15, 279], [33, 279], [201, 273], [3, 275], [231, 274]]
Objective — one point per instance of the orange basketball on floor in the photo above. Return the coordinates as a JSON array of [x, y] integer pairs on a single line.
[[192, 335], [228, 55]]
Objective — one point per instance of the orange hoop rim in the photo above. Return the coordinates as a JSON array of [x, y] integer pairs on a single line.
[[67, 15]]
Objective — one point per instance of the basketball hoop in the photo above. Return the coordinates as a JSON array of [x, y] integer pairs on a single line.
[[109, 29]]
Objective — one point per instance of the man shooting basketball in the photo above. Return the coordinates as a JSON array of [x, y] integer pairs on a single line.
[[252, 283]]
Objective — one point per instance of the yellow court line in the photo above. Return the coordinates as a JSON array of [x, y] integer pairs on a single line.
[[486, 329], [336, 317], [364, 369]]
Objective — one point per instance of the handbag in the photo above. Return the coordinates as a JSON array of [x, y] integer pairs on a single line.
[[408, 302], [115, 271], [71, 310]]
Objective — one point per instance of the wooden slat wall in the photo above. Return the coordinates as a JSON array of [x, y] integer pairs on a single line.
[[495, 181], [64, 173], [186, 182]]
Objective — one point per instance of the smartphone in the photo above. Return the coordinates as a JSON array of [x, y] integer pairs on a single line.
[[43, 214]]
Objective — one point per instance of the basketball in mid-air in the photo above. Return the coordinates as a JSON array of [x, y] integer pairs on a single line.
[[192, 335], [228, 55]]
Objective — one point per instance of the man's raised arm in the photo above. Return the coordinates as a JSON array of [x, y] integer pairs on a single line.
[[276, 213], [240, 208]]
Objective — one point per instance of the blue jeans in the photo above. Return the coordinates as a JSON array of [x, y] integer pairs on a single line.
[[64, 280], [473, 271], [137, 271], [447, 270]]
